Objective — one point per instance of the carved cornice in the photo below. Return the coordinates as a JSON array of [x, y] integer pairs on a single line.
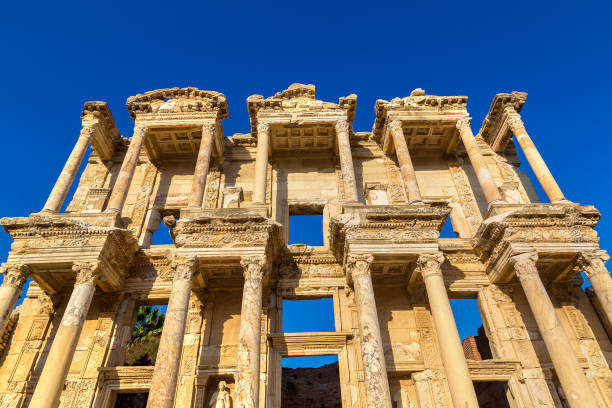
[[495, 129], [178, 100], [15, 275]]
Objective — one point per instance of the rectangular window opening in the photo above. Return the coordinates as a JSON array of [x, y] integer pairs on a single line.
[[131, 400], [308, 315], [311, 382], [161, 235], [146, 334], [492, 394], [306, 223], [471, 329]]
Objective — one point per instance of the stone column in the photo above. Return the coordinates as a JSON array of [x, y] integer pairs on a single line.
[[539, 167], [593, 266], [346, 161], [202, 164], [15, 276], [372, 353], [124, 179], [261, 162], [168, 361], [405, 162], [249, 339], [66, 177], [453, 358], [51, 381], [567, 366], [485, 178]]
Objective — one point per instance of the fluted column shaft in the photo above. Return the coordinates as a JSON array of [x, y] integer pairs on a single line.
[[597, 273], [261, 162], [539, 167], [249, 339], [453, 358], [198, 185], [168, 361], [126, 173], [66, 177], [51, 381], [373, 355], [15, 276], [485, 178], [405, 162], [346, 161], [567, 367]]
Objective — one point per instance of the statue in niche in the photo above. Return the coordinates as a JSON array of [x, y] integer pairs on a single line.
[[221, 397]]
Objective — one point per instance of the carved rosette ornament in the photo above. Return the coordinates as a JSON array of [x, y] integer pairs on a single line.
[[249, 340], [372, 352], [15, 275], [87, 273], [429, 264], [525, 264]]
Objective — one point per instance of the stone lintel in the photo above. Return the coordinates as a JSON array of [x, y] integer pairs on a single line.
[[309, 344]]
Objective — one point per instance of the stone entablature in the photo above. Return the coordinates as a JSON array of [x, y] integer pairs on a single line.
[[384, 198]]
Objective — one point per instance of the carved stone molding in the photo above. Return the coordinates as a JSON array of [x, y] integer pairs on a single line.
[[525, 264], [254, 267], [429, 264], [87, 273], [15, 275]]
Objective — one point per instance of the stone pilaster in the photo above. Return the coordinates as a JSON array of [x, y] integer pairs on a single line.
[[485, 178], [15, 276], [539, 167], [453, 358], [165, 374], [198, 185], [249, 339], [597, 273], [66, 177], [346, 161], [126, 173], [373, 356], [261, 162], [567, 366], [405, 162], [51, 381]]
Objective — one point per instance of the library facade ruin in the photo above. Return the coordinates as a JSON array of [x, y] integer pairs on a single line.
[[383, 196]]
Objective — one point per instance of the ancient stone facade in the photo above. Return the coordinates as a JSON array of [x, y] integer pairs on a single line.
[[384, 197]]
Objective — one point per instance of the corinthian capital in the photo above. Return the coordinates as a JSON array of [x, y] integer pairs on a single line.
[[263, 127], [463, 124], [140, 128], [208, 128], [396, 125], [592, 263], [87, 273], [525, 264], [429, 264], [88, 132], [15, 275], [183, 268], [514, 120], [342, 126], [254, 267], [358, 265]]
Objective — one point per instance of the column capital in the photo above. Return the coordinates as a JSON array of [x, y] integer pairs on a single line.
[[463, 124], [429, 264], [525, 264], [254, 267], [209, 127], [358, 265], [88, 131], [514, 120], [263, 127], [15, 275], [184, 268], [395, 125], [592, 263], [87, 273], [342, 126], [140, 128]]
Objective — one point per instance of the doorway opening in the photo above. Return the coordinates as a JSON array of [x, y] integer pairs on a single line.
[[311, 382], [492, 394], [131, 400]]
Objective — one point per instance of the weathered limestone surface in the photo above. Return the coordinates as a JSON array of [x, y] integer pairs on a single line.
[[229, 268]]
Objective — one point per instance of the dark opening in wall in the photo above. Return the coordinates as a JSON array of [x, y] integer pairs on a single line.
[[131, 400], [471, 330], [308, 315], [492, 394], [310, 383], [142, 349]]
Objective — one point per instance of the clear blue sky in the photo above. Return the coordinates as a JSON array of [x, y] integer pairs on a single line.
[[55, 57]]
